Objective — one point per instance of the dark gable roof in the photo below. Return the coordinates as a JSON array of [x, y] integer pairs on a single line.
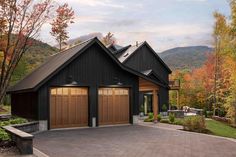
[[114, 47], [48, 68], [131, 51], [55, 63], [152, 74]]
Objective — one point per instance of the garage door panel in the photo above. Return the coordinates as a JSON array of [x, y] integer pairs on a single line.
[[53, 107], [68, 107], [113, 106], [65, 105]]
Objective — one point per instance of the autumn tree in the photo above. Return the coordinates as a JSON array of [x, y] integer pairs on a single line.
[[225, 54], [65, 16], [108, 39], [20, 21]]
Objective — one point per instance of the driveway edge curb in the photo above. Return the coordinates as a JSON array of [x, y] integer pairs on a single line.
[[38, 153], [230, 139]]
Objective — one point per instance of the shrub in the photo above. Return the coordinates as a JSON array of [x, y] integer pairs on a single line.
[[4, 123], [164, 108], [159, 117], [150, 115], [194, 123], [209, 114], [148, 120], [171, 118], [165, 121], [3, 135], [178, 122], [17, 121]]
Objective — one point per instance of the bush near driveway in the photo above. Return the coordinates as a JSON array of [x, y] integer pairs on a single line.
[[171, 117], [165, 121], [195, 123], [150, 117], [3, 135]]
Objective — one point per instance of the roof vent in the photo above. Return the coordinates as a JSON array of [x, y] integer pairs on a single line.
[[136, 43], [126, 54]]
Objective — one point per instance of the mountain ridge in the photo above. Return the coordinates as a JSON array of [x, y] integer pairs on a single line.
[[188, 57]]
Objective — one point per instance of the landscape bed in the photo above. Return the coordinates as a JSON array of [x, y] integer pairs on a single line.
[[212, 126], [5, 140]]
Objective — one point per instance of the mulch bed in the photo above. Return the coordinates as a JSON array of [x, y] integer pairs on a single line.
[[205, 131], [2, 110], [8, 148], [6, 144]]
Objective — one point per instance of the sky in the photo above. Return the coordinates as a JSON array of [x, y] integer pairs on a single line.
[[164, 24]]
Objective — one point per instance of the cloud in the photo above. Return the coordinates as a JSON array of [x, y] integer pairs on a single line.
[[89, 19], [123, 22], [95, 3], [191, 0], [174, 30]]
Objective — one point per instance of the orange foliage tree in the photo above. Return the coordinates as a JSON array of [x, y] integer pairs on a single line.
[[65, 15], [197, 85], [20, 21]]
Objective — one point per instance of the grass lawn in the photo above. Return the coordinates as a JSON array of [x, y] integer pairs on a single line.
[[220, 129], [5, 109]]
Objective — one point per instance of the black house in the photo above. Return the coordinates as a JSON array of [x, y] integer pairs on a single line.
[[91, 85]]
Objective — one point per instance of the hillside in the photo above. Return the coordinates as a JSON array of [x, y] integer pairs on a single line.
[[185, 57], [35, 55]]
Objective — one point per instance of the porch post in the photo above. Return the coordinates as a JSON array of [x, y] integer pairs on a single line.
[[155, 105]]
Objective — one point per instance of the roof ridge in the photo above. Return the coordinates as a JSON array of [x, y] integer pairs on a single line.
[[58, 52], [83, 42]]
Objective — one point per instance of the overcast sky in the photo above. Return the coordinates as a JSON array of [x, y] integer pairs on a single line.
[[162, 23]]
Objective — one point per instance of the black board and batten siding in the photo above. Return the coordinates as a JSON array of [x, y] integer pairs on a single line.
[[25, 104], [143, 60], [92, 69]]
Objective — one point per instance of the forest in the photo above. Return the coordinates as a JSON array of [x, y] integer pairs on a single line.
[[212, 86]]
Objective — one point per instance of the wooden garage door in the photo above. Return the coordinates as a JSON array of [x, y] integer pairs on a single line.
[[68, 107], [113, 106]]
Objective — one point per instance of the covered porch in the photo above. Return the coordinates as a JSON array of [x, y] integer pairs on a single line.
[[146, 86]]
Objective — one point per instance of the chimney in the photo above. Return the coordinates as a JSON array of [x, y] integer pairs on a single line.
[[136, 43]]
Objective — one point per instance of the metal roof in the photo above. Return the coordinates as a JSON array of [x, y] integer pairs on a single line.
[[46, 69], [126, 54], [150, 72]]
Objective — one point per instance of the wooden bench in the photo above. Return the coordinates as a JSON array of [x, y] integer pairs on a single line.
[[23, 140]]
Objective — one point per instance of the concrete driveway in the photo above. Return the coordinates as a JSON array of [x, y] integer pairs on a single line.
[[131, 141]]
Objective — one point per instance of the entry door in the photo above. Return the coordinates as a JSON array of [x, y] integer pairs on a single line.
[[113, 106], [68, 107]]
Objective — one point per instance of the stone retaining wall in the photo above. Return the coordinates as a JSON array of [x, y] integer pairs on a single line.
[[29, 127]]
